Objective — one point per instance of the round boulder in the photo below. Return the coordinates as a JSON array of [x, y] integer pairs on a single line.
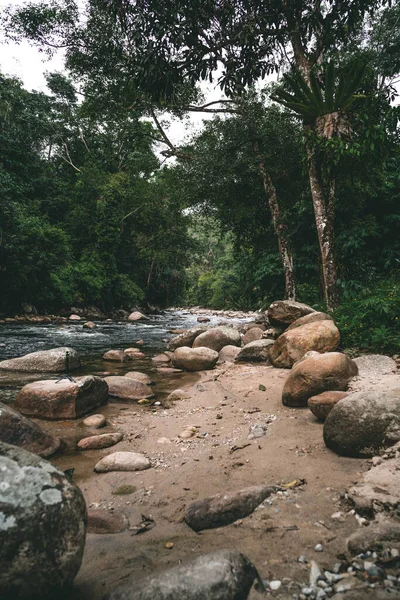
[[89, 325], [51, 399], [253, 334], [363, 423], [322, 404], [285, 312], [126, 388], [257, 351], [228, 354], [310, 318], [218, 337], [42, 527], [194, 359], [291, 346], [51, 361], [136, 316], [186, 338], [103, 440], [317, 374], [20, 431], [142, 377], [123, 461], [116, 356]]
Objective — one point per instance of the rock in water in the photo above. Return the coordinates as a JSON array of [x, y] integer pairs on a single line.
[[218, 337], [51, 361], [138, 376], [123, 461], [222, 575], [24, 433], [185, 339], [291, 346], [95, 421], [116, 356], [42, 527], [137, 316], [317, 374], [194, 359], [224, 509], [127, 388], [257, 351], [285, 312], [363, 423], [63, 399]]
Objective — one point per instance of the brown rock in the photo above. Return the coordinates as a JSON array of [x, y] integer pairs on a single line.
[[203, 319], [65, 399], [116, 356], [317, 374], [96, 442], [51, 361], [136, 316], [322, 404], [218, 337], [134, 353], [228, 354], [253, 334], [142, 377], [291, 346], [272, 333], [89, 325], [22, 432], [95, 421], [161, 358], [257, 351], [310, 318], [104, 521], [185, 339], [194, 359], [122, 461], [377, 536], [74, 318], [285, 312], [127, 388]]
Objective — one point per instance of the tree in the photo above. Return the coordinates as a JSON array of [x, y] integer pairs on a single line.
[[157, 48]]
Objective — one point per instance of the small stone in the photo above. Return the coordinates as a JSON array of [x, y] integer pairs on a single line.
[[307, 591], [376, 460], [315, 573], [394, 553], [337, 516], [319, 548], [163, 440], [186, 434], [302, 559], [169, 545], [122, 461], [321, 594], [95, 421], [96, 442], [275, 584]]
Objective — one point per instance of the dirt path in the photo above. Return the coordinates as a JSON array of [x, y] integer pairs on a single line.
[[223, 404]]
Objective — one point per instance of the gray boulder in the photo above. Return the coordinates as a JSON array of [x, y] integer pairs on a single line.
[[257, 351], [64, 399], [222, 575], [194, 359], [42, 527], [20, 431], [363, 423], [50, 361], [285, 312], [218, 337], [185, 339]]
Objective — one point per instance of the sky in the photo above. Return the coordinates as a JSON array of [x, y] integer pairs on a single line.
[[30, 65]]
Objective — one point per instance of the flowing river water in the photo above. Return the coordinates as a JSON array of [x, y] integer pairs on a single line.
[[19, 339]]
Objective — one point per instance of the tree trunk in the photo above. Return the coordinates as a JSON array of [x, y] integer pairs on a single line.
[[324, 219], [280, 230]]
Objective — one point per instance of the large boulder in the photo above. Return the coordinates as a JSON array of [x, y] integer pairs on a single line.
[[363, 423], [322, 404], [185, 339], [310, 318], [222, 575], [126, 388], [375, 365], [317, 374], [228, 354], [20, 431], [285, 312], [257, 351], [194, 359], [253, 334], [42, 527], [291, 346], [218, 337], [51, 399], [50, 361]]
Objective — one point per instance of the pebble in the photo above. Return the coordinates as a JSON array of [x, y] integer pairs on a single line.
[[337, 516], [319, 548], [275, 584], [315, 573], [302, 559], [307, 591], [321, 593]]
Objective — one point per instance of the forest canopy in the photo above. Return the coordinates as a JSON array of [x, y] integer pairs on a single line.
[[292, 189]]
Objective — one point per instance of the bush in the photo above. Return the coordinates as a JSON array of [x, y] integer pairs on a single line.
[[371, 321]]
